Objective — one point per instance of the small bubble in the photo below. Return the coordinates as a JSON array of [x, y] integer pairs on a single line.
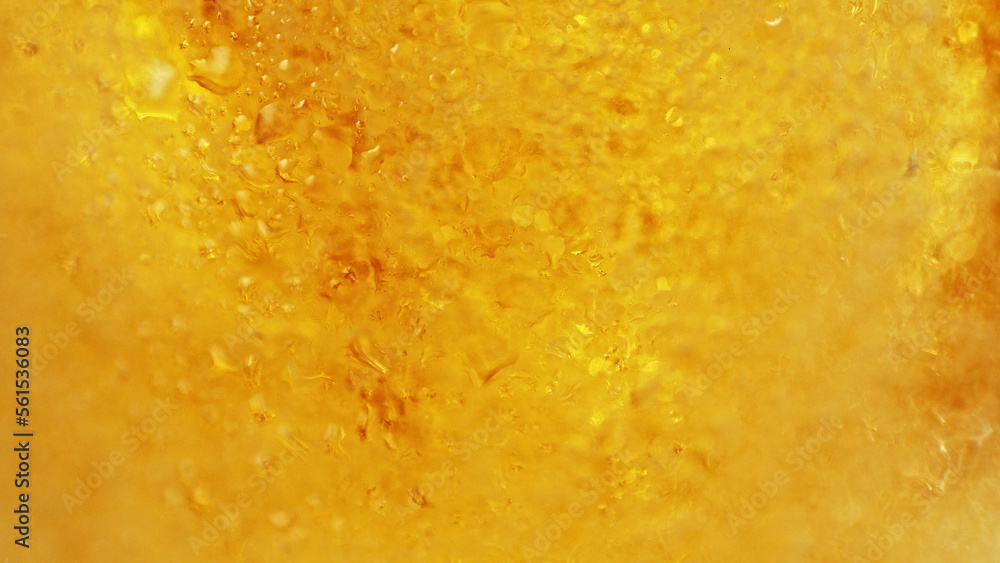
[[200, 496], [964, 157], [523, 215], [241, 124], [437, 80], [967, 32]]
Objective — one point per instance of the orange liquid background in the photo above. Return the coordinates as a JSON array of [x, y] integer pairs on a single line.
[[478, 281]]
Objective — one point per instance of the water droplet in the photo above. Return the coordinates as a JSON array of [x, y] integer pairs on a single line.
[[523, 215], [962, 248], [273, 121], [437, 80], [334, 151], [280, 519], [220, 73], [254, 7], [200, 496], [220, 361], [967, 32], [148, 91], [488, 24], [964, 157], [543, 222]]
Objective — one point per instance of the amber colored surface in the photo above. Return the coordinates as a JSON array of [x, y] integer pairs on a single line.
[[487, 281]]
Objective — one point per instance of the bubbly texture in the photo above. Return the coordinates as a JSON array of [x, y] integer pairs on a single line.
[[491, 281]]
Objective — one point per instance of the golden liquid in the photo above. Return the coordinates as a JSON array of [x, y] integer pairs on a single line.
[[487, 281]]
